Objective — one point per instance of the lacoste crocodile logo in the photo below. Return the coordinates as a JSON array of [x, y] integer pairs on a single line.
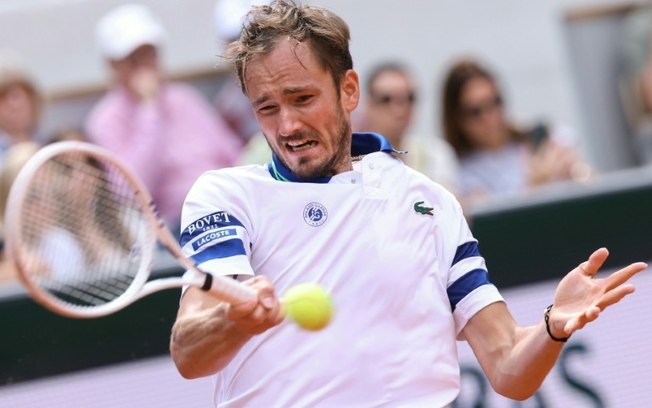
[[420, 209]]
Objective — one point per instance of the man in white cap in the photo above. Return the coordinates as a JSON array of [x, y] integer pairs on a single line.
[[166, 132], [21, 103]]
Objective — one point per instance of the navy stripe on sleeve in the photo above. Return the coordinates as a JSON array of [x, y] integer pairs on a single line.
[[224, 249], [465, 285], [466, 250]]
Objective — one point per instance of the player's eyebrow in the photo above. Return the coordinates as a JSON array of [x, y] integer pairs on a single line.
[[285, 92], [261, 100], [294, 90]]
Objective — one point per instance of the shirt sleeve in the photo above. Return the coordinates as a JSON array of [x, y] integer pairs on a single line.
[[215, 228], [468, 286]]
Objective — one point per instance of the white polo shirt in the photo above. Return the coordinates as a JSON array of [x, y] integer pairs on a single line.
[[392, 248]]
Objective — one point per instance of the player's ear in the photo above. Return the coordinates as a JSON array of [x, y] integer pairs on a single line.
[[350, 90]]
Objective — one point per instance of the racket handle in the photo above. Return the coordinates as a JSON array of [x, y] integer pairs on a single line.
[[227, 289]]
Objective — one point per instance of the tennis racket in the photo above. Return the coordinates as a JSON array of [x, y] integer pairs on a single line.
[[82, 232]]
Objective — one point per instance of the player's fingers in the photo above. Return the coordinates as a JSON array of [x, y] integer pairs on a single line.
[[581, 320], [241, 310], [262, 319], [266, 293], [259, 282], [256, 320], [265, 312], [614, 296], [591, 314], [268, 299], [623, 275], [248, 320], [573, 325], [272, 318], [246, 310], [597, 258], [259, 319], [269, 308]]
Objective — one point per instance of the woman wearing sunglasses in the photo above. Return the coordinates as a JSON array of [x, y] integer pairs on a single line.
[[498, 158]]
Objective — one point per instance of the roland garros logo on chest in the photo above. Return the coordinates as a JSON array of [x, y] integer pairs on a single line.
[[315, 214]]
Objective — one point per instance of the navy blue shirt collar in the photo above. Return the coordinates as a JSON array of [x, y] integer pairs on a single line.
[[361, 144]]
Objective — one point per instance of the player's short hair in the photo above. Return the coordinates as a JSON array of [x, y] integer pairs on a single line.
[[323, 31]]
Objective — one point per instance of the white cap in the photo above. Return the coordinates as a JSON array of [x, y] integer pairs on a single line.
[[230, 15], [14, 71], [126, 28], [12, 68]]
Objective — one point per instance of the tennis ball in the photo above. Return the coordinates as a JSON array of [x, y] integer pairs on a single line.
[[309, 305]]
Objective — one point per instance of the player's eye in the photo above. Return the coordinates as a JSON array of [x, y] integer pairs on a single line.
[[304, 99], [266, 109]]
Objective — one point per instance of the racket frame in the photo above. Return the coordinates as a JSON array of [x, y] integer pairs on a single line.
[[223, 288]]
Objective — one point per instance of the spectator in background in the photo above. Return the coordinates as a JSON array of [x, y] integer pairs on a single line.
[[14, 159], [497, 158], [230, 102], [390, 103], [21, 103], [635, 78], [166, 132]]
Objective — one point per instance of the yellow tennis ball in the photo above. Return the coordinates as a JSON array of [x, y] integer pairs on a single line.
[[309, 305]]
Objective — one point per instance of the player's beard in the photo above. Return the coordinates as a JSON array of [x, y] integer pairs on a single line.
[[308, 168]]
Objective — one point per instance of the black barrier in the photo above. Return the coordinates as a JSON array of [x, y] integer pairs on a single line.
[[543, 241], [37, 343]]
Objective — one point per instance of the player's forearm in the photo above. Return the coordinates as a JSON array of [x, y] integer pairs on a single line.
[[525, 365], [203, 343], [515, 359]]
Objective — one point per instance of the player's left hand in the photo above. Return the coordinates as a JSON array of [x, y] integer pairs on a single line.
[[581, 297]]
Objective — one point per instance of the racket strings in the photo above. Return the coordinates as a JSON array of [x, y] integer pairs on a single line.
[[83, 230]]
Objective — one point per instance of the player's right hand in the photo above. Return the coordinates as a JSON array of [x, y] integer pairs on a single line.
[[259, 314]]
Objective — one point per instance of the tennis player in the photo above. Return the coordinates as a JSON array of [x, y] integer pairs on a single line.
[[391, 246]]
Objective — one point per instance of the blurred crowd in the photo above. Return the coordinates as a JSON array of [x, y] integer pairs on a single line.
[[169, 133]]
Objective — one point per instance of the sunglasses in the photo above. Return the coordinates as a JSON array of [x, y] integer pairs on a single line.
[[479, 109], [386, 99]]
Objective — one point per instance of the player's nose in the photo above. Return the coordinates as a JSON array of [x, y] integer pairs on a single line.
[[289, 122]]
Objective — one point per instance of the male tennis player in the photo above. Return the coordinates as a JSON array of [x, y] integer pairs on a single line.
[[391, 246]]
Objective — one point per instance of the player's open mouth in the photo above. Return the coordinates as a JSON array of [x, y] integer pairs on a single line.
[[298, 147]]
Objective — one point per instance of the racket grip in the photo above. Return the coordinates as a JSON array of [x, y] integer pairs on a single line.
[[227, 289]]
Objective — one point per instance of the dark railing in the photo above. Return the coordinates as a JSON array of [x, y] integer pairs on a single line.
[[547, 235]]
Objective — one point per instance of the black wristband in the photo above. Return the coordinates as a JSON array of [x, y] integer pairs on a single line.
[[546, 318]]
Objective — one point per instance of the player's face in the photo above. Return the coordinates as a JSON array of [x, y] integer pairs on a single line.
[[305, 120]]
